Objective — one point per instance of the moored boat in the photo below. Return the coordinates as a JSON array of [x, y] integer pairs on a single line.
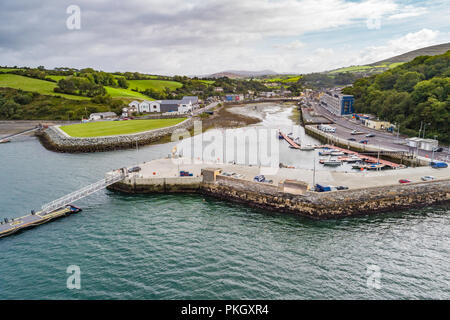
[[307, 147]]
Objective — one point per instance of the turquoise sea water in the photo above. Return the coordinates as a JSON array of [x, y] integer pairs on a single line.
[[191, 247]]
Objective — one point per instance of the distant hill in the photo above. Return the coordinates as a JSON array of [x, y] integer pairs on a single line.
[[408, 56], [237, 74], [383, 65]]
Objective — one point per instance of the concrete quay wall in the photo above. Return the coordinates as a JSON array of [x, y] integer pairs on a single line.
[[327, 205], [54, 139]]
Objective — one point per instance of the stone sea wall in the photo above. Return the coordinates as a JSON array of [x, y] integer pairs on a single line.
[[55, 140], [326, 205]]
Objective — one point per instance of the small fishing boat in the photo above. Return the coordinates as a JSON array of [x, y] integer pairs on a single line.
[[307, 147], [332, 162], [324, 153], [337, 153], [4, 141]]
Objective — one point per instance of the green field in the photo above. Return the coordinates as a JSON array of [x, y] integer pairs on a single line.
[[380, 67], [111, 128], [208, 82], [283, 79], [56, 78], [126, 93], [9, 69], [30, 84], [158, 85]]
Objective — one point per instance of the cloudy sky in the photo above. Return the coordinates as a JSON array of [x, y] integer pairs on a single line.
[[196, 37]]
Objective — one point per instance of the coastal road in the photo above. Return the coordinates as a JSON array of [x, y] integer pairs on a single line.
[[344, 126]]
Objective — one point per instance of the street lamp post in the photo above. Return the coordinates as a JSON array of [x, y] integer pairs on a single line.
[[424, 126]]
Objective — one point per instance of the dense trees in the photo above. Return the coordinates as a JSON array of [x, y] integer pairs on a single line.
[[415, 92], [324, 80], [80, 86]]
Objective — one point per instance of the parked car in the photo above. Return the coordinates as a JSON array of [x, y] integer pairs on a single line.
[[259, 178], [427, 178], [237, 175], [438, 165], [134, 169], [438, 149], [404, 181], [351, 139], [364, 141], [370, 135], [342, 188], [227, 174]]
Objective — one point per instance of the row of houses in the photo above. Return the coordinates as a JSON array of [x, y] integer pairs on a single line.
[[185, 105]]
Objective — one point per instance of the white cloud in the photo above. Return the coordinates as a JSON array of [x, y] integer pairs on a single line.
[[296, 44], [183, 37]]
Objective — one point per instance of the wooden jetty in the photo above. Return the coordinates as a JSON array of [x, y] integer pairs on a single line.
[[289, 140]]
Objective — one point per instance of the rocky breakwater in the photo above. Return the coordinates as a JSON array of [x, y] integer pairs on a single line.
[[56, 140], [329, 205]]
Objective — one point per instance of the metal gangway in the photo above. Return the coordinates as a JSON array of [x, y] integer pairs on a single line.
[[110, 178]]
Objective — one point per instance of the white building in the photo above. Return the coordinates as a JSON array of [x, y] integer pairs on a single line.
[[102, 116], [424, 144], [133, 105], [149, 106]]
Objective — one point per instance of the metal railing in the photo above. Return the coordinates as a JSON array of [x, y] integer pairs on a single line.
[[110, 178]]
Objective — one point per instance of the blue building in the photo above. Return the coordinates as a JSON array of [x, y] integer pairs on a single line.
[[337, 103]]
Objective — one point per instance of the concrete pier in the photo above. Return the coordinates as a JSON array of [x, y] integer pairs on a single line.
[[369, 192]]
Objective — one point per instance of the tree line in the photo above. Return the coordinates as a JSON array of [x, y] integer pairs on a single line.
[[412, 94]]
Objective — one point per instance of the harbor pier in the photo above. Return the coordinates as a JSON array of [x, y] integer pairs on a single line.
[[290, 189]]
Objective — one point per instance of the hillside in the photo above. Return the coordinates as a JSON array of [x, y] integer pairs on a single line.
[[389, 63], [240, 74], [408, 56], [36, 85], [415, 92]]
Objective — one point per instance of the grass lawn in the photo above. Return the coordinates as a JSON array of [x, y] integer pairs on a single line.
[[158, 85], [30, 84], [111, 128], [56, 78], [126, 93]]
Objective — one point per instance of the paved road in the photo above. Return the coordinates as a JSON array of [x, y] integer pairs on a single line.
[[383, 139]]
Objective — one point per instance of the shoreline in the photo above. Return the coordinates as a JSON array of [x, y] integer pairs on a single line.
[[54, 139], [289, 193]]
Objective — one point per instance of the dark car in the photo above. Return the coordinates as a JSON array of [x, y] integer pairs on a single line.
[[364, 141], [370, 135], [134, 169], [440, 149], [342, 188], [351, 139]]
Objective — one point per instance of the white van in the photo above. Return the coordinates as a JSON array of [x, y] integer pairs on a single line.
[[326, 128]]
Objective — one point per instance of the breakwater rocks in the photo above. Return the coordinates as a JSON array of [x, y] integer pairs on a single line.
[[326, 205], [55, 140]]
